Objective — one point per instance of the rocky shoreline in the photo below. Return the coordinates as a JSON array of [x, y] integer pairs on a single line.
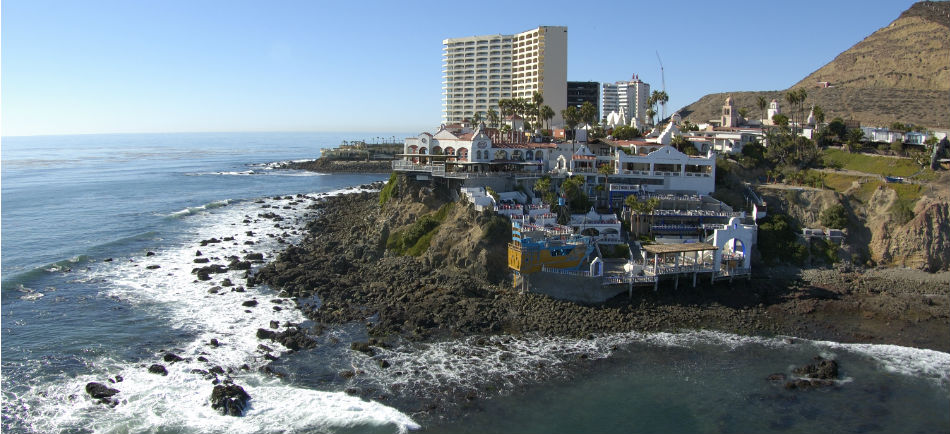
[[344, 261], [323, 165]]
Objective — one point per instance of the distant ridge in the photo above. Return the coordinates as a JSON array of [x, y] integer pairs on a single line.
[[900, 72]]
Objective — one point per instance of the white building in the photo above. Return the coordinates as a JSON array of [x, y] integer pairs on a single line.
[[630, 95], [724, 140], [663, 168], [477, 71], [774, 109], [476, 151]]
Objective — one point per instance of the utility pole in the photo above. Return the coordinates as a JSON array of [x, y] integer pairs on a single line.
[[663, 77]]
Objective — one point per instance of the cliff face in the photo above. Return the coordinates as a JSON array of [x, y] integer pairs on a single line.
[[923, 242], [465, 240]]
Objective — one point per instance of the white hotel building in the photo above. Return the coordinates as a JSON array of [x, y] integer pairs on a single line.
[[477, 71], [631, 95]]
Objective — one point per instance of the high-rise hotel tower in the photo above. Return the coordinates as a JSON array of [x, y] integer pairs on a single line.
[[477, 71]]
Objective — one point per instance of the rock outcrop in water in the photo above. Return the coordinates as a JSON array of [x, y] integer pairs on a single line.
[[229, 399], [102, 393], [822, 373]]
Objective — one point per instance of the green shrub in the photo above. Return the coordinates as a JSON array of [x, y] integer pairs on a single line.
[[388, 191], [824, 250], [415, 239], [835, 217], [778, 240]]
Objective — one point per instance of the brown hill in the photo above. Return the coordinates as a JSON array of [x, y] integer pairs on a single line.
[[871, 106], [913, 52], [899, 73]]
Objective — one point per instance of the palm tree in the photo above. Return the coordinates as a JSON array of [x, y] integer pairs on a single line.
[[763, 104], [493, 118], [792, 98], [547, 113], [636, 207], [476, 118], [650, 113], [588, 113], [662, 99], [571, 118], [537, 101]]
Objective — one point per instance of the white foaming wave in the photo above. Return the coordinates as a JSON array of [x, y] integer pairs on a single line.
[[178, 402], [196, 209], [509, 361], [916, 362]]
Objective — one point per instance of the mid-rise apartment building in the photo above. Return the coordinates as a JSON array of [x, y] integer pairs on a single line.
[[631, 95], [477, 71], [579, 92]]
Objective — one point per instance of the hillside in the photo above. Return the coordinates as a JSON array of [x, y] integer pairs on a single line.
[[900, 72], [871, 106]]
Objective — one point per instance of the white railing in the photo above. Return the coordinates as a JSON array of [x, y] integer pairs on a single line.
[[564, 272], [617, 280]]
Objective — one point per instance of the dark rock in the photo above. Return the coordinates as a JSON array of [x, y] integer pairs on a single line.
[[383, 363], [210, 241], [237, 289], [226, 283], [274, 324], [254, 257], [776, 377], [197, 252], [362, 347], [249, 303], [172, 358], [149, 253], [270, 357], [217, 369], [237, 264], [214, 342], [229, 399], [201, 260], [158, 369], [823, 369], [202, 359], [107, 260], [100, 391], [347, 374], [264, 348], [266, 334], [153, 267]]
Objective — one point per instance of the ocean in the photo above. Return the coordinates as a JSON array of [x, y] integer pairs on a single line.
[[99, 237]]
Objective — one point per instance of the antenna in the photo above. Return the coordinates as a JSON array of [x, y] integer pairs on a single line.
[[663, 76]]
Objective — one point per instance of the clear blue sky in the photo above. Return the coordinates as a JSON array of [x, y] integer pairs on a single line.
[[72, 67]]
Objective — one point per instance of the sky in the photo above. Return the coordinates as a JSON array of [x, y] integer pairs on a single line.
[[85, 67]]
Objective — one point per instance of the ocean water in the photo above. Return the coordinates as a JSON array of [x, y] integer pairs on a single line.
[[99, 237]]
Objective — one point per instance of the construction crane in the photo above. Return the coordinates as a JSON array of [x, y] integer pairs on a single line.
[[663, 77]]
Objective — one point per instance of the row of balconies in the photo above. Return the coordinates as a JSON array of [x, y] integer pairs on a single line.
[[491, 52]]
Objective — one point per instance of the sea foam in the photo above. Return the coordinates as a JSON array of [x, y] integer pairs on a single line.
[[178, 402]]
